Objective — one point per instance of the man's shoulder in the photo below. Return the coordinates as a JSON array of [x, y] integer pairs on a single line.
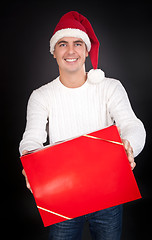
[[109, 86], [44, 92], [113, 81], [47, 87], [109, 83]]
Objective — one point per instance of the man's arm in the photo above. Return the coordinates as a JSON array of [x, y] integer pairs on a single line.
[[35, 132], [132, 129]]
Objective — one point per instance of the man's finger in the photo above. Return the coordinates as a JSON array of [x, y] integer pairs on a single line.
[[24, 152]]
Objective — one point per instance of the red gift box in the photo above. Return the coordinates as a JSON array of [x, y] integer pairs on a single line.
[[80, 176]]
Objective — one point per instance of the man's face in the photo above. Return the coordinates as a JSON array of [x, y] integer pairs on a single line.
[[70, 53]]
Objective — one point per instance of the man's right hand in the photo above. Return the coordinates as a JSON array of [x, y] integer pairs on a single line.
[[23, 172]]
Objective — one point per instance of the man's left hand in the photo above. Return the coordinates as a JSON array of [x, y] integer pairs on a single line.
[[129, 152]]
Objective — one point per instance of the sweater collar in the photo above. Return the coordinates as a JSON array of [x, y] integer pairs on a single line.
[[94, 76]]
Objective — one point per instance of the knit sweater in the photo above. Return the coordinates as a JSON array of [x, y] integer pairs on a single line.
[[63, 113]]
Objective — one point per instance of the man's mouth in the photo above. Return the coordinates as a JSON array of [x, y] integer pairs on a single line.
[[71, 59]]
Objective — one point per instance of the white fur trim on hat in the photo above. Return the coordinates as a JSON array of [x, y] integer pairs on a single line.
[[95, 76], [69, 32]]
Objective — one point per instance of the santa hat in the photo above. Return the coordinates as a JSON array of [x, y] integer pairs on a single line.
[[73, 24]]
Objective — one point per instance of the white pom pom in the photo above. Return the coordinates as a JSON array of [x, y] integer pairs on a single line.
[[95, 76]]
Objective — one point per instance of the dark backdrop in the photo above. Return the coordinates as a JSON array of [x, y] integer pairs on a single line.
[[125, 33]]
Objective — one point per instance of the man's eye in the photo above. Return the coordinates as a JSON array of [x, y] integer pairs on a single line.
[[62, 45], [78, 44]]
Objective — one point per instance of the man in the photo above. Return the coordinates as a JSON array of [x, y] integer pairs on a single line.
[[76, 103]]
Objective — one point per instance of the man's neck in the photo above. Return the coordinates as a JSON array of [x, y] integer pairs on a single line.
[[73, 79]]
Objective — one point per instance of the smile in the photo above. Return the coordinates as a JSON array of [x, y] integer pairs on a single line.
[[71, 59]]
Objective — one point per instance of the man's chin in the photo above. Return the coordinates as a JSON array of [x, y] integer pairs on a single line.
[[72, 70]]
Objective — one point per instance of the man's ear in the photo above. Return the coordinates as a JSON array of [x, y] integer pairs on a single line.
[[54, 54], [87, 54]]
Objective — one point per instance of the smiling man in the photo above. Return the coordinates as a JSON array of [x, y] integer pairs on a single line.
[[76, 103], [71, 54]]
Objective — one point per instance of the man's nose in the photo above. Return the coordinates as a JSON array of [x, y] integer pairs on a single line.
[[71, 49]]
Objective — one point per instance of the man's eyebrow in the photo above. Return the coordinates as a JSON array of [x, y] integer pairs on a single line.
[[62, 42], [78, 41]]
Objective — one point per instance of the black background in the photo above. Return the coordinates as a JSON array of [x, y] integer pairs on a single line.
[[125, 33]]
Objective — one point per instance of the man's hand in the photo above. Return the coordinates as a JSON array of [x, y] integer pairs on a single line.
[[129, 152], [23, 172]]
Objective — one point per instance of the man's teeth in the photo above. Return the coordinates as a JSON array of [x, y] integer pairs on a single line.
[[70, 59]]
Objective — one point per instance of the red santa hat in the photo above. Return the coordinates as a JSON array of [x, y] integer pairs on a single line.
[[73, 24]]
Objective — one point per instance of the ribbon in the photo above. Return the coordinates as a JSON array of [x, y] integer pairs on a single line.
[[89, 136], [57, 214]]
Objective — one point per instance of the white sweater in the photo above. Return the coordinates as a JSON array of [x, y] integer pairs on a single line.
[[65, 113]]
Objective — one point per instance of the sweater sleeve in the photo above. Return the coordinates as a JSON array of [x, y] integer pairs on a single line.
[[35, 132], [121, 112]]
